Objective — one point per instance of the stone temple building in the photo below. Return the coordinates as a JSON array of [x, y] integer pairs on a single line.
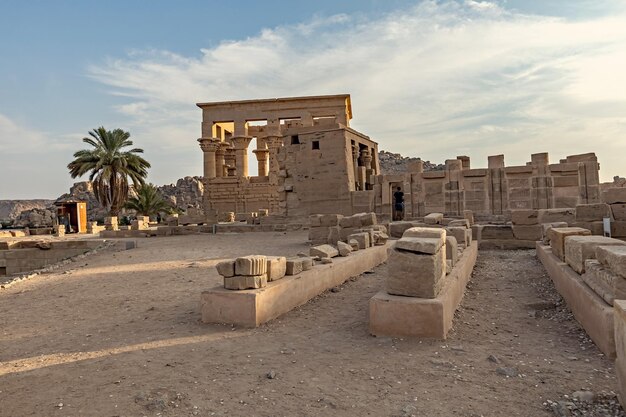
[[311, 162]]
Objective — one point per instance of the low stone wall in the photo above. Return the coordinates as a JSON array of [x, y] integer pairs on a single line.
[[619, 307], [250, 308]]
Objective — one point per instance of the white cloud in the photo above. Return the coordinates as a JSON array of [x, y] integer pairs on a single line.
[[435, 80]]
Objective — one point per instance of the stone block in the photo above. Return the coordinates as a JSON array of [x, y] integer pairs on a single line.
[[324, 251], [334, 234], [366, 219], [524, 217], [415, 275], [618, 229], [557, 237], [294, 266], [343, 248], [530, 232], [328, 220], [380, 238], [397, 229], [496, 231], [433, 218], [226, 268], [346, 231], [616, 195], [363, 239], [425, 245], [459, 223], [580, 248], [596, 228], [315, 220], [592, 212], [350, 221], [452, 251], [354, 244], [251, 265], [469, 216], [462, 235], [567, 215], [545, 230], [619, 314], [276, 267], [245, 282], [431, 232], [618, 211], [318, 235], [307, 263], [603, 281], [613, 258]]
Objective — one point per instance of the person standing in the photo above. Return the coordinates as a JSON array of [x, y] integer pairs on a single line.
[[398, 205]]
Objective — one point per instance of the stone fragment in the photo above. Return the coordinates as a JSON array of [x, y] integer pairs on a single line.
[[603, 282], [226, 268], [334, 235], [431, 232], [397, 229], [449, 266], [545, 228], [459, 223], [524, 217], [276, 267], [415, 275], [425, 245], [530, 232], [324, 251], [245, 282], [294, 266], [592, 212], [343, 248], [462, 235], [580, 248], [363, 239], [567, 215], [380, 238], [557, 237], [614, 258], [307, 263], [326, 261], [251, 265], [433, 218], [354, 244], [366, 219], [452, 252]]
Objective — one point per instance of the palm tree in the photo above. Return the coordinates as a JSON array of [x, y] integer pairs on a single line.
[[110, 166], [148, 201]]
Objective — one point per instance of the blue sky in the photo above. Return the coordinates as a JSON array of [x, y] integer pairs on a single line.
[[429, 79]]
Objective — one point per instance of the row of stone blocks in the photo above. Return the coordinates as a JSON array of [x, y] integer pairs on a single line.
[[332, 228], [420, 297]]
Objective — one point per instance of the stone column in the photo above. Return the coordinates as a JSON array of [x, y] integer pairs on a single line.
[[355, 165], [241, 154], [220, 161], [209, 146], [229, 160], [274, 143], [261, 156]]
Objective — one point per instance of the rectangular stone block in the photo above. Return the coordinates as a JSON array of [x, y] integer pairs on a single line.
[[350, 221], [613, 258], [415, 275], [567, 215], [366, 219], [461, 234], [315, 220], [557, 237], [530, 232], [618, 229], [425, 245], [596, 228], [226, 268], [459, 223], [496, 231], [580, 248], [524, 217], [363, 239], [328, 220], [324, 251], [318, 235], [432, 232], [251, 265], [245, 282], [276, 267], [294, 266], [605, 283], [469, 216], [433, 218], [334, 235], [545, 228], [397, 229], [616, 195], [619, 308], [452, 250], [618, 211], [592, 212]]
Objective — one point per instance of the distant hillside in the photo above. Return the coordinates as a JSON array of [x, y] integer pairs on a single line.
[[394, 163], [11, 209]]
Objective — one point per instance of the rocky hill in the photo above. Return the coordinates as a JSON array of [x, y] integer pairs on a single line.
[[11, 209], [394, 163]]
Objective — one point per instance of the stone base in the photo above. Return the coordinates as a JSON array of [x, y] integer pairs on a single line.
[[250, 308], [589, 309], [398, 316]]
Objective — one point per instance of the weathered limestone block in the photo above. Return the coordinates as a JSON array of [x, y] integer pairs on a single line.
[[363, 239], [334, 234], [462, 235], [330, 219], [324, 251], [619, 324], [426, 232], [251, 265], [580, 248], [397, 229], [426, 245], [496, 231], [452, 251], [111, 224], [459, 223], [245, 282], [592, 212], [545, 230], [307, 263], [226, 268], [354, 244], [469, 216], [315, 220], [524, 217], [596, 228], [530, 232], [433, 218], [366, 219], [380, 238], [557, 237], [346, 231], [613, 258], [350, 221], [343, 248], [318, 235], [618, 211], [618, 229], [276, 267], [415, 275], [603, 282], [567, 215], [615, 195], [294, 266]]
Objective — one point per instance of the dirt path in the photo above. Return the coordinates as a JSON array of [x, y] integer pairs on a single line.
[[125, 340]]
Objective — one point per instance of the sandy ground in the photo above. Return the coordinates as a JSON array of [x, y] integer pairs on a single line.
[[118, 334]]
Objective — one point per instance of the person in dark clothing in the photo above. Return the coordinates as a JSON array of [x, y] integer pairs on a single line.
[[398, 204]]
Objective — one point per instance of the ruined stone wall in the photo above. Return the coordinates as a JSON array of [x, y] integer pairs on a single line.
[[241, 194]]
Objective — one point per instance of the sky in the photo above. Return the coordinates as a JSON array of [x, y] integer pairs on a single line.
[[429, 79]]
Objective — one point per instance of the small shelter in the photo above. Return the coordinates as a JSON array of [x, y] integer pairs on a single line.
[[72, 214]]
